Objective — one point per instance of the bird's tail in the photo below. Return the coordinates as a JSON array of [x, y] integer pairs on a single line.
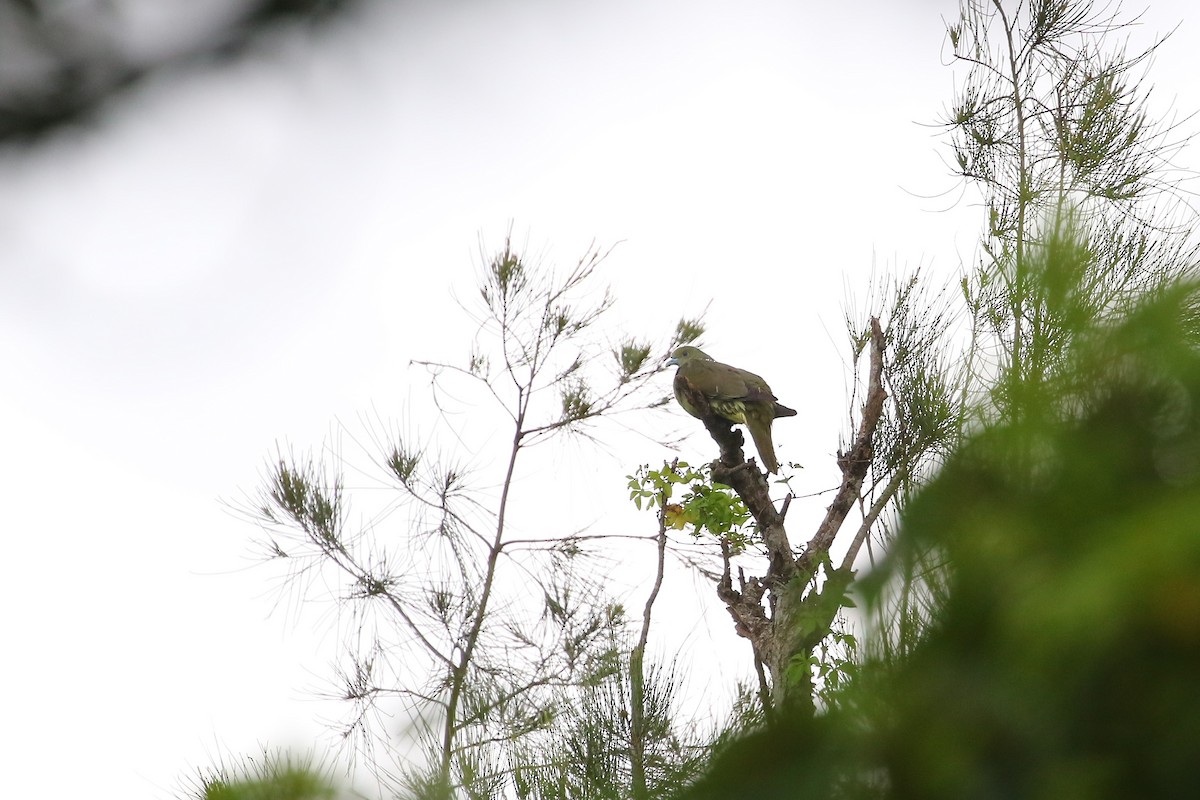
[[783, 411], [760, 432]]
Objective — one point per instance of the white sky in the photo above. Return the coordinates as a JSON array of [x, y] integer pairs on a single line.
[[244, 255]]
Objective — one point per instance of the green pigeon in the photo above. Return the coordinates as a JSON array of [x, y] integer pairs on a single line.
[[733, 394]]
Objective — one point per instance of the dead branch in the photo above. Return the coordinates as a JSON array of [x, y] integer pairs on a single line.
[[855, 462]]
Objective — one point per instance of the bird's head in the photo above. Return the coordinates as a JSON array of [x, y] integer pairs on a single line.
[[687, 354]]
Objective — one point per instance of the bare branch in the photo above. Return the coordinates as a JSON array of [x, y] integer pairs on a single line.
[[855, 462], [868, 523]]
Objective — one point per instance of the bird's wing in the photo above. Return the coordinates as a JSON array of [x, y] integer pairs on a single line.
[[719, 381]]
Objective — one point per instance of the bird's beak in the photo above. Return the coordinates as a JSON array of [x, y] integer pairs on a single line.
[[672, 362]]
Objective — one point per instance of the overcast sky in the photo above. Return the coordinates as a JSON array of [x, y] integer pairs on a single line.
[[244, 255]]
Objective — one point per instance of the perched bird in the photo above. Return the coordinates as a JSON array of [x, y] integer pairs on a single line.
[[733, 394]]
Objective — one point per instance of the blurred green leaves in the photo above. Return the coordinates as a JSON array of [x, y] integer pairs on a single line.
[[1062, 660], [270, 776]]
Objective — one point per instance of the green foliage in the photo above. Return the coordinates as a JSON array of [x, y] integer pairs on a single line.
[[308, 501], [403, 463], [1050, 127], [294, 784], [837, 664], [1063, 657], [654, 487], [272, 776], [705, 507], [922, 420], [687, 331], [631, 357], [792, 759], [506, 283], [474, 637], [818, 608], [822, 647], [585, 755], [1046, 638], [1052, 124], [576, 401]]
